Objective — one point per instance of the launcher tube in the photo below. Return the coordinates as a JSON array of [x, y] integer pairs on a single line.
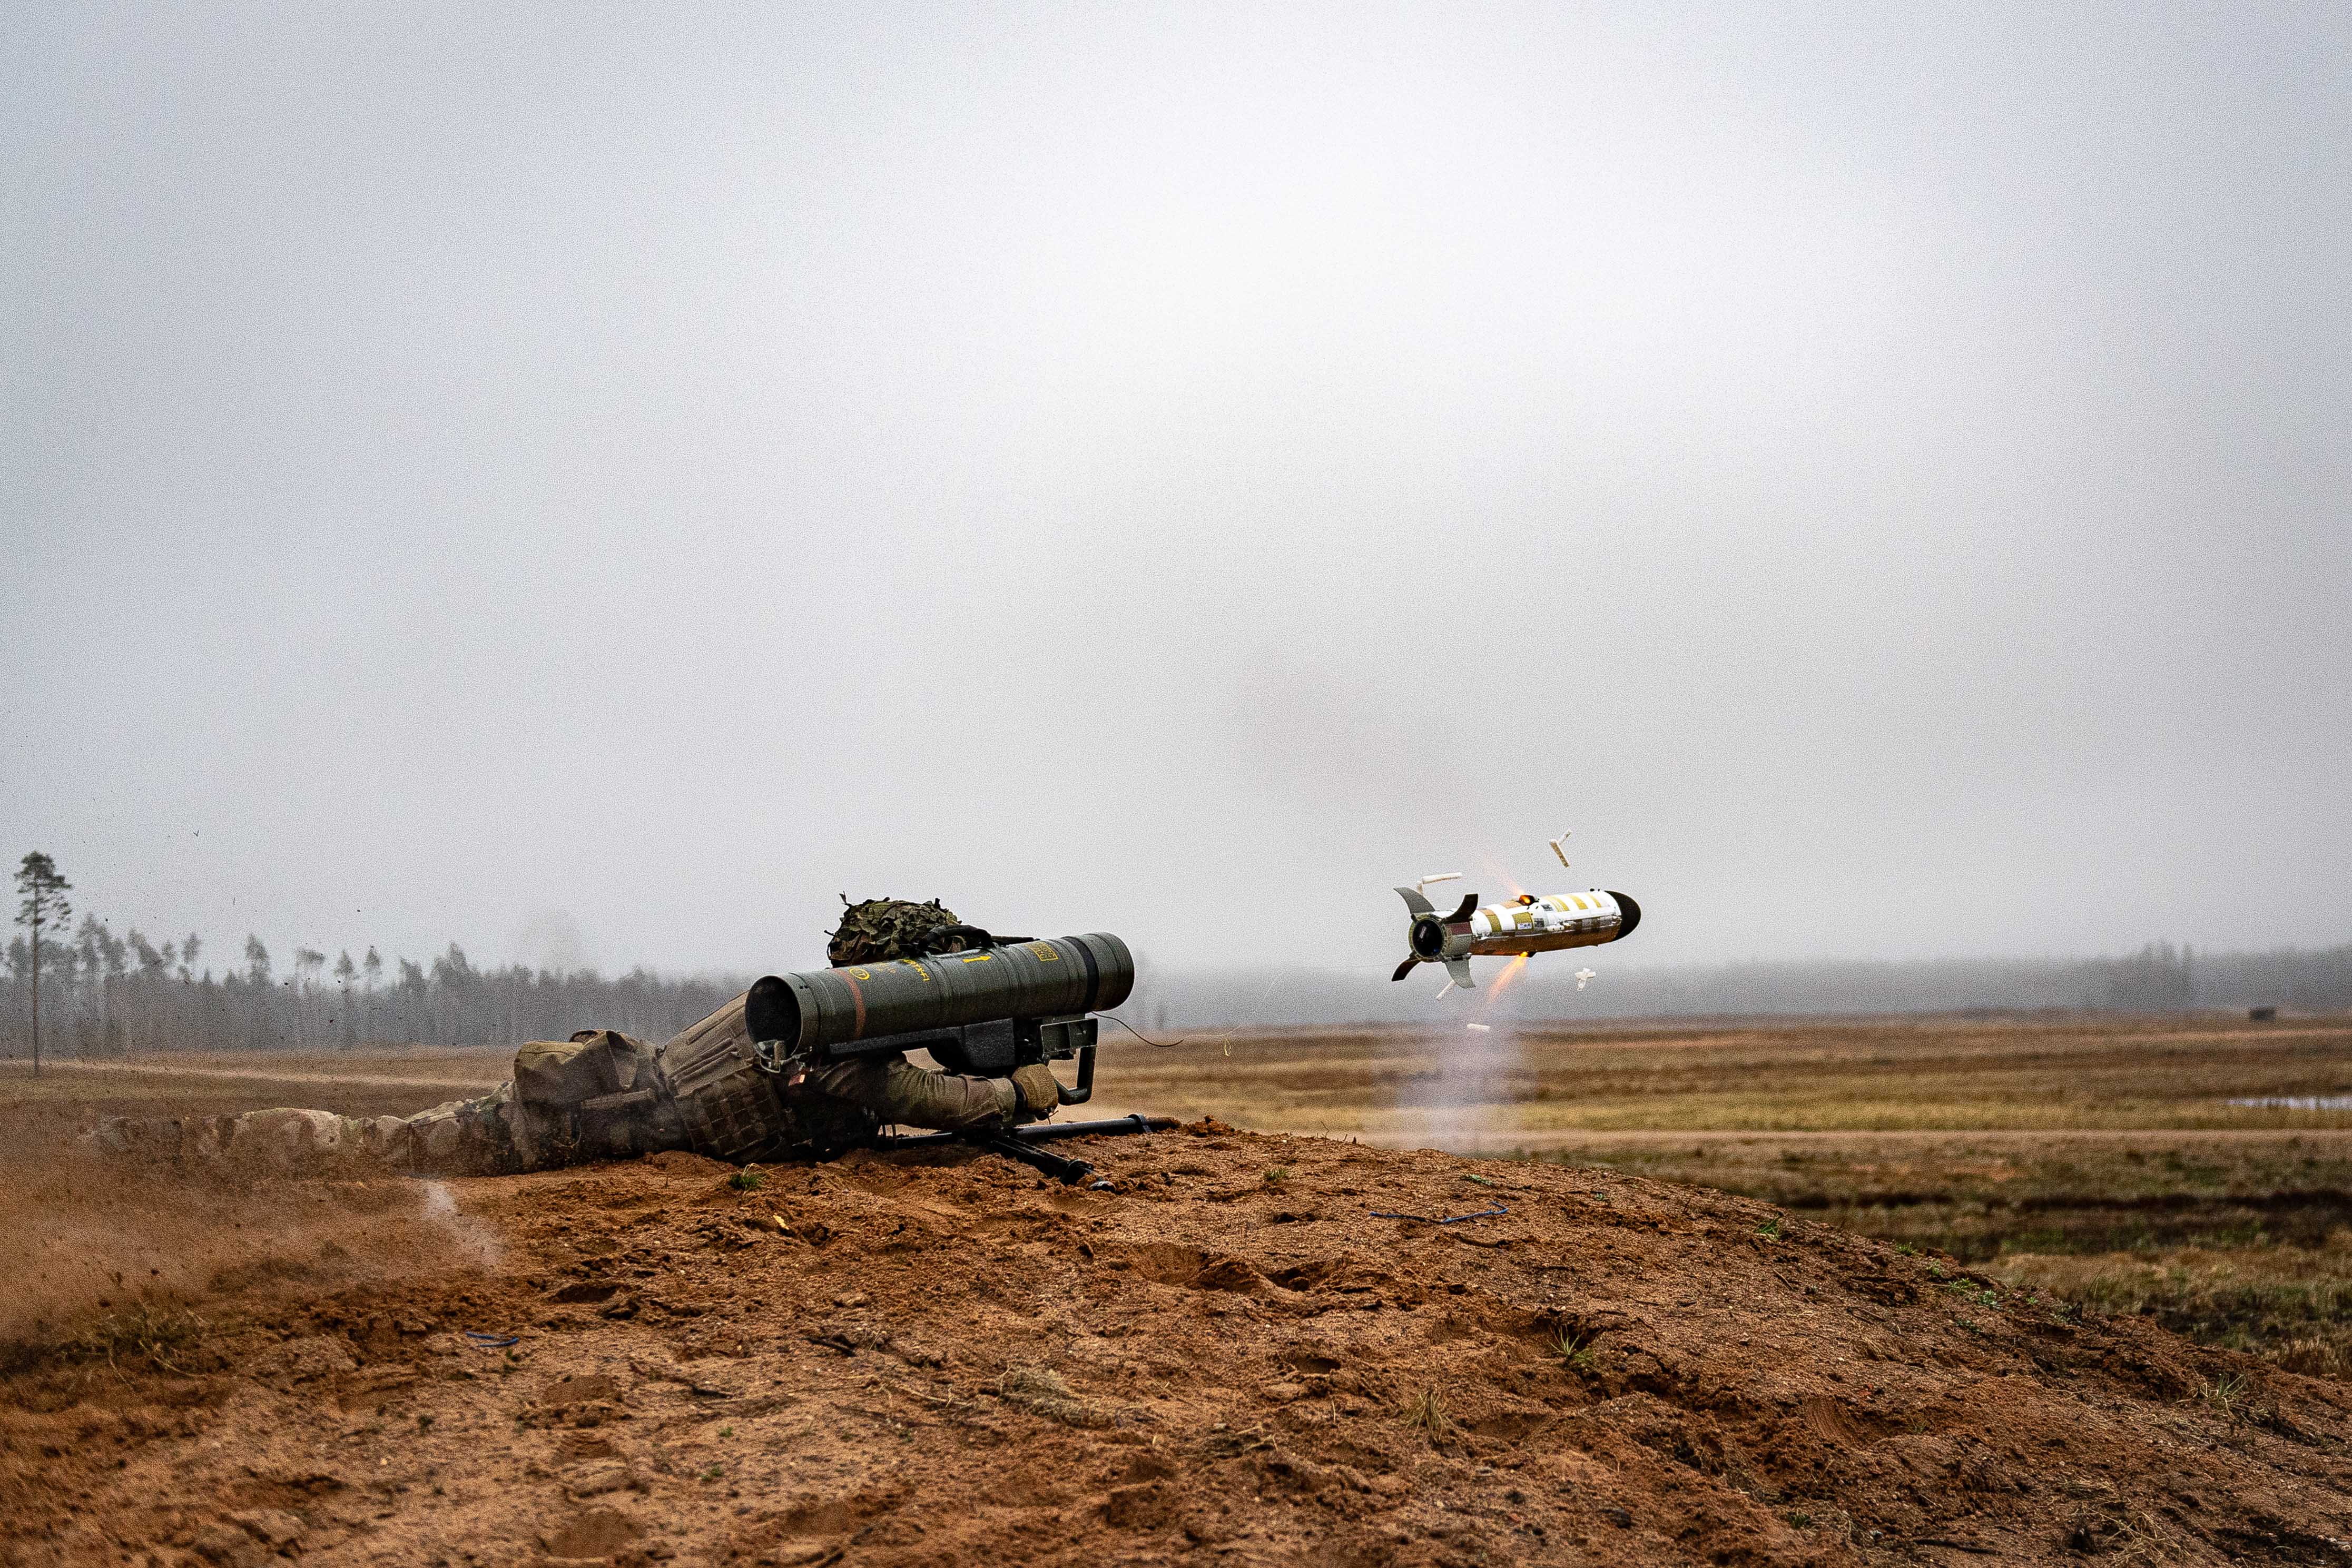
[[1052, 978]]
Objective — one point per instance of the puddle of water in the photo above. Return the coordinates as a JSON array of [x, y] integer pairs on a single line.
[[2297, 1103]]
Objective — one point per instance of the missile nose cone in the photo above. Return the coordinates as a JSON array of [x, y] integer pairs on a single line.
[[1631, 911]]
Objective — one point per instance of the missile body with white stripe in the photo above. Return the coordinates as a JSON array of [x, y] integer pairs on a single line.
[[1525, 925]]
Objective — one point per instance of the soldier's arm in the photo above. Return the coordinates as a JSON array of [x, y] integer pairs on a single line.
[[899, 1092]]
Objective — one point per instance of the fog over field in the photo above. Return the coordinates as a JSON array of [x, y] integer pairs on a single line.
[[598, 484]]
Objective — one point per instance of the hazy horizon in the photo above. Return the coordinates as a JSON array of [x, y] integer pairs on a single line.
[[569, 480]]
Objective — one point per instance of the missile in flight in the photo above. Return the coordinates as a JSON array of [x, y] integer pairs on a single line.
[[1525, 925]]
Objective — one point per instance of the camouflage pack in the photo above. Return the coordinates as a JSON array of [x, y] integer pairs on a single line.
[[880, 929]]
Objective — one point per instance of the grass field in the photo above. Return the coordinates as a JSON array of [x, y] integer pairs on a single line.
[[1535, 1086], [2100, 1160]]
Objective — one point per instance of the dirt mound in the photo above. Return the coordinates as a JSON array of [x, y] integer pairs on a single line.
[[1233, 1356]]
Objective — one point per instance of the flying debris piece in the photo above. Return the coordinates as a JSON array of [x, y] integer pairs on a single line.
[[1583, 975], [1557, 850], [1438, 876], [1482, 1028], [1525, 925]]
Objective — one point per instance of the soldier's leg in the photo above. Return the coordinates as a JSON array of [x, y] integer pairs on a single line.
[[459, 1137], [596, 1096], [464, 1137]]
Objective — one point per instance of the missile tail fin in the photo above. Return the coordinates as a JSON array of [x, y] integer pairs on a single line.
[[1459, 970], [1414, 902], [1469, 902]]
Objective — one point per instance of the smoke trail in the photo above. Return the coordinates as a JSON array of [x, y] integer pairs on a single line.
[[475, 1241], [1465, 1103]]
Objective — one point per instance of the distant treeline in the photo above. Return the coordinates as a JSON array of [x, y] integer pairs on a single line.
[[107, 996], [2159, 978]]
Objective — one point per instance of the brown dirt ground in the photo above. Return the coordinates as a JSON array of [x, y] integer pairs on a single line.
[[943, 1358]]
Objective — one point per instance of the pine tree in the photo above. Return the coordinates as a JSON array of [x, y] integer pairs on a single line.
[[345, 972], [308, 963], [115, 953], [43, 894], [93, 1002], [257, 975], [372, 967], [147, 996]]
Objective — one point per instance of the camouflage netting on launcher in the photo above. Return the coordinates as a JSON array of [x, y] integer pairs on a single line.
[[880, 929]]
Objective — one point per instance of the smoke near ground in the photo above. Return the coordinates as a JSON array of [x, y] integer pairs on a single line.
[[92, 1237]]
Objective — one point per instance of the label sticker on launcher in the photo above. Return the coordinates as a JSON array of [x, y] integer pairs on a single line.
[[1043, 953]]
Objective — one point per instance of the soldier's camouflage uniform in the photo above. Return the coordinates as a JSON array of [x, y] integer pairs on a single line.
[[602, 1094]]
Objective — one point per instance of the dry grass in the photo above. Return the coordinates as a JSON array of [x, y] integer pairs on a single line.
[[145, 1333], [1983, 1197], [1425, 1412], [2291, 1305], [1041, 1391], [143, 1336]]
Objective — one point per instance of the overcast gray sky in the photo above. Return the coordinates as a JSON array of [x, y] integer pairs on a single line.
[[1879, 474]]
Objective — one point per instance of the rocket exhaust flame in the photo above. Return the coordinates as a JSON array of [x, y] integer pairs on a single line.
[[1502, 982], [1495, 992], [1505, 878]]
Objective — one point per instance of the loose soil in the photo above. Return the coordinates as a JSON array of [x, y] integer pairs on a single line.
[[1239, 1355]]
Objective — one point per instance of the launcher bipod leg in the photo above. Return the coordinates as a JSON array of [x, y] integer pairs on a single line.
[[1068, 1172], [1021, 1143]]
